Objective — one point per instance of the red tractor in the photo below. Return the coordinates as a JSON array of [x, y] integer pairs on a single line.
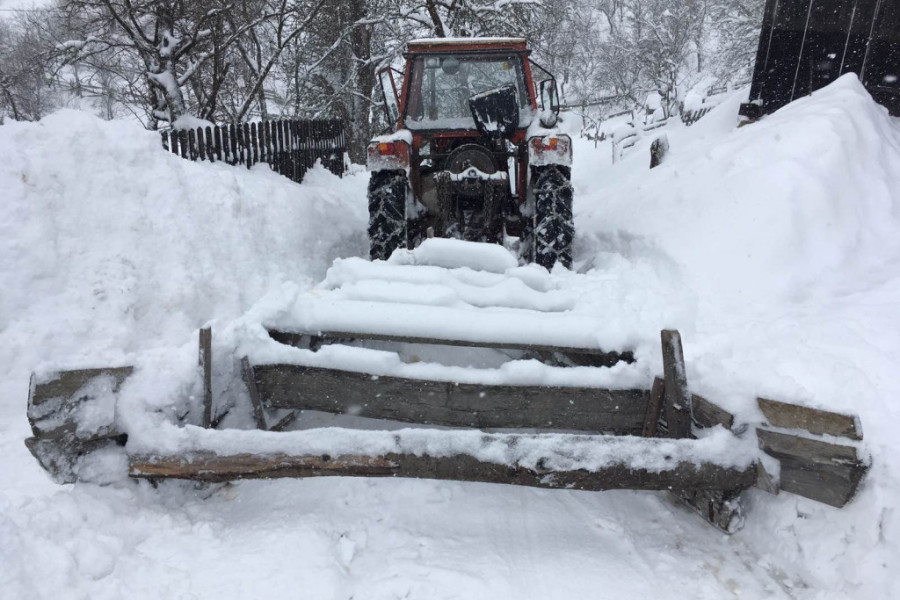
[[474, 154]]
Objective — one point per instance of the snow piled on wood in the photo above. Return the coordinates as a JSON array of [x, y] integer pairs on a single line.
[[545, 452]]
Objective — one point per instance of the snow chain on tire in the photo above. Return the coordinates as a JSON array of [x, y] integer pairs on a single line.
[[554, 227], [387, 213]]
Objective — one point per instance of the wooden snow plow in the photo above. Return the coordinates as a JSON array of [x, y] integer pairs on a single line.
[[589, 439], [470, 369]]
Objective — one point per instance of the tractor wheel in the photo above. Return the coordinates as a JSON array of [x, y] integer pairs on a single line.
[[387, 213], [553, 224]]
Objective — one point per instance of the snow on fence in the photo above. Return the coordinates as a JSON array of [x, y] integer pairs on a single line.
[[290, 147]]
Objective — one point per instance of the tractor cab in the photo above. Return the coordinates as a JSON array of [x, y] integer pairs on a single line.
[[443, 75], [459, 162]]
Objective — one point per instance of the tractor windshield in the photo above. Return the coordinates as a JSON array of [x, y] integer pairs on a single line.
[[441, 85]]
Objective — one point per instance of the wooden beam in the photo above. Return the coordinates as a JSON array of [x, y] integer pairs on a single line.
[[206, 366], [60, 407], [654, 407], [581, 356], [766, 481], [211, 467], [451, 404], [677, 396], [828, 473], [55, 404], [66, 383], [250, 381], [813, 420], [63, 458], [707, 414]]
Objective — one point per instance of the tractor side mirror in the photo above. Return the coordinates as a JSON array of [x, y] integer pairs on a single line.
[[549, 96], [389, 90], [546, 89]]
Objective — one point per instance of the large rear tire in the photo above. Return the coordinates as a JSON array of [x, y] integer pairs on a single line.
[[554, 227], [387, 213]]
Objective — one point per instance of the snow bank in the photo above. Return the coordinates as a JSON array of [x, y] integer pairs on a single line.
[[114, 252], [108, 245], [775, 248], [776, 210]]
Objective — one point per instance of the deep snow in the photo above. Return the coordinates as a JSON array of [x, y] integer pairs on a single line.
[[773, 248]]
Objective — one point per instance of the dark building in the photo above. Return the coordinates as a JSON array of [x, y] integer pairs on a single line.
[[806, 44]]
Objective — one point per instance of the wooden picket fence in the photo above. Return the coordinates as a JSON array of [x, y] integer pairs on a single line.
[[290, 147]]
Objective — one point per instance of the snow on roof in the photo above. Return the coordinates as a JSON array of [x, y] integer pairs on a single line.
[[468, 40]]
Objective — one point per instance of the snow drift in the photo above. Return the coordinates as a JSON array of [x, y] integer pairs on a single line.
[[124, 247]]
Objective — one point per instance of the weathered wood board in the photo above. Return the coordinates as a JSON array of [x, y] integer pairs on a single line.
[[259, 414], [707, 414], [828, 473], [72, 415], [55, 404], [677, 395], [205, 358], [451, 404], [813, 420], [582, 356], [460, 467], [654, 408]]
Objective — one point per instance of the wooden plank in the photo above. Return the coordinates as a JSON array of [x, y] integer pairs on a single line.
[[654, 408], [218, 139], [458, 405], [254, 143], [766, 481], [248, 146], [241, 143], [192, 143], [206, 366], [278, 136], [584, 356], [183, 143], [233, 144], [821, 471], [210, 145], [290, 128], [63, 458], [247, 372], [296, 166], [707, 414], [201, 144], [677, 395], [813, 420], [782, 444], [285, 421], [206, 466], [54, 404]]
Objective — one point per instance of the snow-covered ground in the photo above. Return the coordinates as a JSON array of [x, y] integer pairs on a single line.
[[774, 249]]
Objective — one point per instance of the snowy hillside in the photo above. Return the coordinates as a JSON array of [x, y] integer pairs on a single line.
[[774, 249]]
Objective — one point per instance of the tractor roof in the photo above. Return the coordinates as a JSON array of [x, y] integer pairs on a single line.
[[466, 44]]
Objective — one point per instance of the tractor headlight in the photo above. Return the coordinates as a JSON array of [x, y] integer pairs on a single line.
[[550, 150]]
